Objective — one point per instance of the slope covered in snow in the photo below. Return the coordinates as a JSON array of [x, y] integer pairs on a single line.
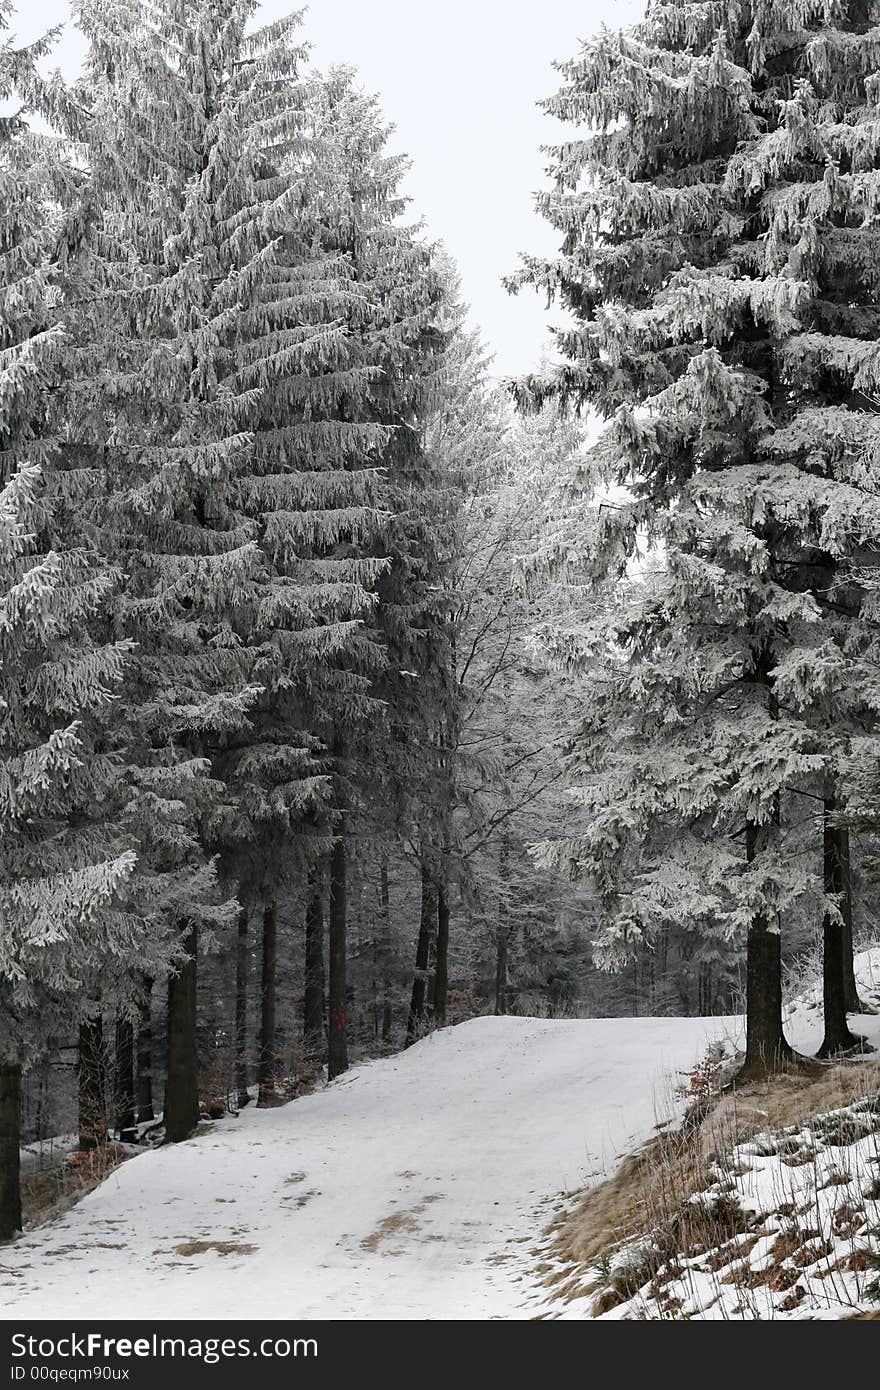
[[766, 1205], [390, 1194]]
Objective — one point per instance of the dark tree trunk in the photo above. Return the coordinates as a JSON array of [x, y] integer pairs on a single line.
[[313, 1001], [10, 1150], [441, 967], [385, 956], [428, 914], [182, 1081], [241, 984], [337, 1049], [502, 935], [91, 1084], [838, 1037], [144, 1059], [123, 1080], [851, 998], [766, 1048], [266, 1075], [663, 955], [501, 945], [704, 988]]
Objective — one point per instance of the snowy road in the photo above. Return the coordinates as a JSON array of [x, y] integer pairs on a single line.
[[390, 1194]]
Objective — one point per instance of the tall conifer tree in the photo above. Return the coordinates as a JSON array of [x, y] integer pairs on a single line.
[[393, 334], [63, 869], [717, 257], [180, 110]]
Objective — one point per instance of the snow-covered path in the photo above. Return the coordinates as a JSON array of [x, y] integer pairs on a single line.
[[389, 1194]]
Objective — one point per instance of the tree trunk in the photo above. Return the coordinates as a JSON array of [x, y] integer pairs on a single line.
[[502, 934], [837, 1038], [241, 983], [10, 1149], [91, 1086], [182, 1081], [441, 967], [501, 945], [416, 1020], [266, 1075], [123, 1080], [313, 1001], [851, 998], [144, 1056], [766, 1048], [337, 1050], [387, 994]]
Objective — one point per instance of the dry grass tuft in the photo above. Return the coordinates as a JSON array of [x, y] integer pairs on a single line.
[[222, 1247], [623, 1204]]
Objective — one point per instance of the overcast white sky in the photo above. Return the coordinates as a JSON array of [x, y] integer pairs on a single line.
[[459, 79]]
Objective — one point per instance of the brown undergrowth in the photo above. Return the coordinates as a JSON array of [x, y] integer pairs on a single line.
[[49, 1191]]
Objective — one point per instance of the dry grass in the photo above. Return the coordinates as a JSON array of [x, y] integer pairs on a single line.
[[402, 1223], [784, 1100], [222, 1247], [398, 1223], [652, 1191]]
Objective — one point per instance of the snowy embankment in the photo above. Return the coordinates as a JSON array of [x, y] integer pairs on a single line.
[[396, 1192], [766, 1205]]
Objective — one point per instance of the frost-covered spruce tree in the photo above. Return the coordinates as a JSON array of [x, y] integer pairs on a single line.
[[375, 534], [262, 341], [83, 666], [57, 878], [324, 329], [61, 871], [181, 243], [718, 259], [410, 767], [311, 488]]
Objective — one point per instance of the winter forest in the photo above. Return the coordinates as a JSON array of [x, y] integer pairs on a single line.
[[359, 702]]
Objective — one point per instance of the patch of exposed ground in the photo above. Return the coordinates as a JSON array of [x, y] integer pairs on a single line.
[[402, 1222], [203, 1247]]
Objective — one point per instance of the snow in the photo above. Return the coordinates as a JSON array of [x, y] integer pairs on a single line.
[[416, 1187], [393, 1193]]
